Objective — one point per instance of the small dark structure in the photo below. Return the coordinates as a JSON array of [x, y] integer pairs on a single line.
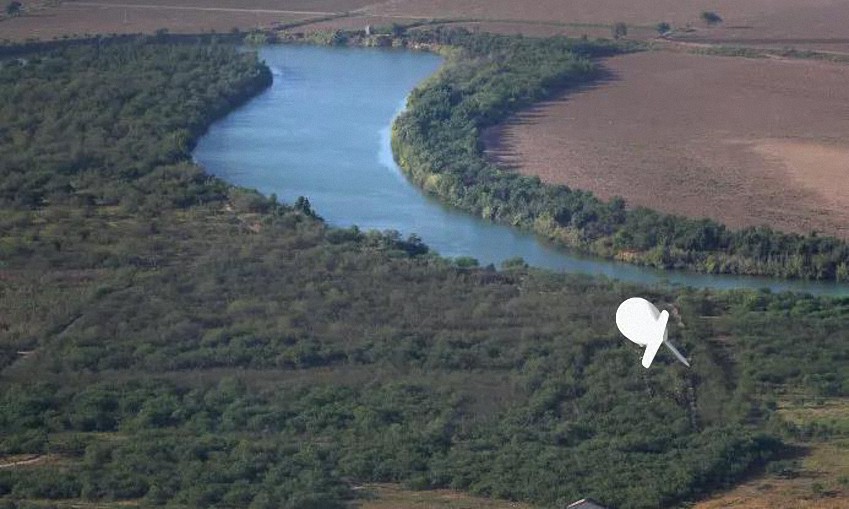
[[585, 503]]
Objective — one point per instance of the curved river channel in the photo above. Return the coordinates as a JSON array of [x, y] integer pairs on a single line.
[[322, 131]]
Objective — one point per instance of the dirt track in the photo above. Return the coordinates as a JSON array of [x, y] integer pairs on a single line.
[[21, 462], [743, 141]]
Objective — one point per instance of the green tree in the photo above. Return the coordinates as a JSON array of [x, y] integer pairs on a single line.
[[663, 27], [14, 8], [711, 18], [303, 204], [620, 30], [397, 30], [256, 38]]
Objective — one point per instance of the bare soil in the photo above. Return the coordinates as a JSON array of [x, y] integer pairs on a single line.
[[580, 11], [822, 468], [19, 461], [46, 21], [813, 24], [743, 141], [816, 24]]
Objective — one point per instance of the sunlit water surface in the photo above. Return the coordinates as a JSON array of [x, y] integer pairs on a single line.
[[322, 131]]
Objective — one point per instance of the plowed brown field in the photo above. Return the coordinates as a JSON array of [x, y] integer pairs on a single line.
[[743, 141], [812, 23], [815, 24], [47, 20]]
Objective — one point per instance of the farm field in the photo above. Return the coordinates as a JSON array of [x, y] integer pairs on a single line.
[[815, 24], [819, 24], [46, 21], [743, 141]]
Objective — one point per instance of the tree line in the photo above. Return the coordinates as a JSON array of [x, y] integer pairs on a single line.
[[170, 340], [437, 141]]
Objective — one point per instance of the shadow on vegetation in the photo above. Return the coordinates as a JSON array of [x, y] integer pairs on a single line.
[[500, 146], [783, 464]]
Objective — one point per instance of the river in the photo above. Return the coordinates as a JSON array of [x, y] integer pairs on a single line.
[[322, 131]]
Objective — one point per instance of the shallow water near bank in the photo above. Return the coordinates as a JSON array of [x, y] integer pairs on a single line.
[[322, 131]]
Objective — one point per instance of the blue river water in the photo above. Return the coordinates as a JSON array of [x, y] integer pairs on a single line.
[[322, 131]]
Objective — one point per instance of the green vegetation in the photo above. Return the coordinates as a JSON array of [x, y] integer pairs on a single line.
[[711, 18], [256, 38], [619, 30], [172, 340], [324, 37], [663, 28], [437, 142], [750, 52], [14, 8]]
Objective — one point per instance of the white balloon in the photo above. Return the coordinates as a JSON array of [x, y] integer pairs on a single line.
[[642, 323]]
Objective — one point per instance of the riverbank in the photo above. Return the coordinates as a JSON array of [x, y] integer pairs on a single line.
[[171, 339], [570, 218], [437, 142], [288, 142]]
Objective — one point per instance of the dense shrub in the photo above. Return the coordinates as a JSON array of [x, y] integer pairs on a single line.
[[437, 142], [205, 346]]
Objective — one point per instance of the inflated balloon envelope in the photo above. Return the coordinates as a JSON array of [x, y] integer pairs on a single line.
[[642, 323]]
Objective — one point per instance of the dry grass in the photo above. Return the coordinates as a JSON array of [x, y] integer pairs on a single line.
[[390, 496], [823, 478], [830, 413], [746, 142], [818, 485], [352, 23], [21, 460]]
